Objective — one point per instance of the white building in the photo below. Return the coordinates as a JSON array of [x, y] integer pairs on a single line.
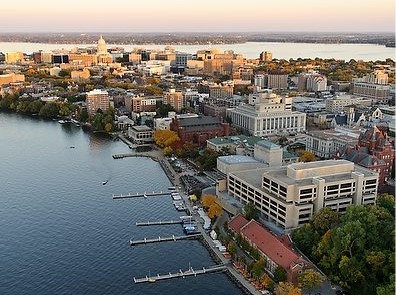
[[289, 195], [141, 134], [267, 113], [316, 83]]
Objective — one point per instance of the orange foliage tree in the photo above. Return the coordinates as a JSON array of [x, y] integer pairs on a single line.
[[210, 203], [165, 138], [285, 288]]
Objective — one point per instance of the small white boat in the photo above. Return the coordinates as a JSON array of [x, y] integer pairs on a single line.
[[104, 182], [61, 122]]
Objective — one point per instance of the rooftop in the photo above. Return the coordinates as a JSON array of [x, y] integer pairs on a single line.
[[268, 144], [266, 242], [236, 159]]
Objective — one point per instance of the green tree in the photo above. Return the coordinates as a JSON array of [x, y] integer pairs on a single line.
[[280, 274], [163, 110], [49, 110], [387, 202], [35, 106], [251, 211], [324, 220]]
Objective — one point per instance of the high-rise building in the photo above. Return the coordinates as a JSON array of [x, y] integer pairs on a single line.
[[175, 99], [265, 56], [97, 99]]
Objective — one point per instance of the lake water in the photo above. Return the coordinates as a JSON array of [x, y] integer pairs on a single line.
[[366, 52], [62, 233]]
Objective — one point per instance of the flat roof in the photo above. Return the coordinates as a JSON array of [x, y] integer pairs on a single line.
[[236, 159]]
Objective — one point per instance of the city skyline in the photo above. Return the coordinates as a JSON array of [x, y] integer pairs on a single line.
[[205, 16]]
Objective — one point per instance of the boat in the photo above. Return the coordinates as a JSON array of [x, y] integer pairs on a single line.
[[61, 122], [104, 182], [151, 280]]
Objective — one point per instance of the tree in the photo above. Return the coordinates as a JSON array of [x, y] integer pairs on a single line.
[[84, 115], [306, 156], [165, 138], [309, 279], [35, 106], [49, 110], [209, 202], [164, 109], [324, 220], [280, 274], [387, 202], [231, 248], [215, 210], [251, 211], [287, 289], [266, 282]]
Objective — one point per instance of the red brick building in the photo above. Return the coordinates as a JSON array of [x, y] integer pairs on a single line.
[[199, 129], [374, 151], [272, 248]]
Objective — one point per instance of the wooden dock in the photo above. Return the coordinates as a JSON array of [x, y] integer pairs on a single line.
[[181, 274], [161, 222], [163, 239], [140, 195]]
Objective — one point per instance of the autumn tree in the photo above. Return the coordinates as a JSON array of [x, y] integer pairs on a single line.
[[309, 279], [210, 203], [306, 156], [165, 138], [286, 288], [266, 282]]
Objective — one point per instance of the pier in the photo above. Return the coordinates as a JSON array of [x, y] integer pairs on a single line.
[[163, 239], [181, 274], [140, 195], [165, 222]]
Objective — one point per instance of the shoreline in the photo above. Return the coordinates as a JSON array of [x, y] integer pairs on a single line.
[[173, 177]]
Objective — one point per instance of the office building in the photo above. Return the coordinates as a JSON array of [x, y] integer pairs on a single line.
[[289, 196], [267, 113]]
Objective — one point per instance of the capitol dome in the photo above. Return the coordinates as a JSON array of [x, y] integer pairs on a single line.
[[102, 48]]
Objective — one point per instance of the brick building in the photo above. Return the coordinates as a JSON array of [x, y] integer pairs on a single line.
[[373, 151], [277, 254], [199, 129]]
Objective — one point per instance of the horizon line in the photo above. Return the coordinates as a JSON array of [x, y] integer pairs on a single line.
[[195, 32]]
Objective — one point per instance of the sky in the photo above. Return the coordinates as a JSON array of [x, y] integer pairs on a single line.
[[198, 16]]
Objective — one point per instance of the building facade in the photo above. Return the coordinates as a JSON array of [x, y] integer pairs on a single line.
[[175, 99], [199, 129], [289, 196], [266, 114], [326, 143], [97, 99]]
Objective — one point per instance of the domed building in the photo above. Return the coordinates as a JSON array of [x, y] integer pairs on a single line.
[[103, 56]]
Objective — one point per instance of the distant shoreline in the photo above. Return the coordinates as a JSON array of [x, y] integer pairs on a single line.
[[384, 38]]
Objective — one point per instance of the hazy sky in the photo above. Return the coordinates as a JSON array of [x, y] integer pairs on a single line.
[[197, 16]]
